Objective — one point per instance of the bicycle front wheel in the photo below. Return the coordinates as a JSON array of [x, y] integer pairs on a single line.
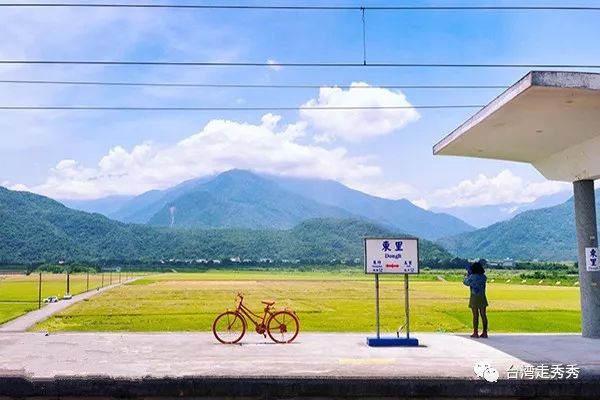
[[283, 327], [229, 327]]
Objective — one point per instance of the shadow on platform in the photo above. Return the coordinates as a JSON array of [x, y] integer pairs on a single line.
[[549, 349]]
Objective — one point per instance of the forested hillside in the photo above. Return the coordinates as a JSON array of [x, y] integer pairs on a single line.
[[243, 199], [544, 234], [37, 229]]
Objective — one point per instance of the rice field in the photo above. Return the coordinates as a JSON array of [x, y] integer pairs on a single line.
[[325, 302], [19, 293]]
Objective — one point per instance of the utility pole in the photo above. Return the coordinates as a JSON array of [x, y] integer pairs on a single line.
[[40, 292]]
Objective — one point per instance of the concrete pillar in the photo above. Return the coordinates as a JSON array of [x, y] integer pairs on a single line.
[[589, 282]]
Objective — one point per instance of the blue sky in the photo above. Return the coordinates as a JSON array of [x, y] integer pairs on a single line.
[[94, 154]]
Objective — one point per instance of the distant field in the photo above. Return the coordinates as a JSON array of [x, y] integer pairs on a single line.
[[323, 301], [19, 293]]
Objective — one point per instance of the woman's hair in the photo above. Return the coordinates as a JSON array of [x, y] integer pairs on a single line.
[[477, 268]]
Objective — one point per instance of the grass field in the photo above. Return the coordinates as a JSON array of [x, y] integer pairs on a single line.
[[19, 293], [323, 301]]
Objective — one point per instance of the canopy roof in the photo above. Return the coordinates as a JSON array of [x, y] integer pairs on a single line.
[[548, 119]]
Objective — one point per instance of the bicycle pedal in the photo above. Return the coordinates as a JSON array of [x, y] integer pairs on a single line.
[[265, 335]]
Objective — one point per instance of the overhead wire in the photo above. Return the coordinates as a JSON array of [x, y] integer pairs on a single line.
[[240, 85], [302, 7], [362, 9], [292, 64], [276, 108]]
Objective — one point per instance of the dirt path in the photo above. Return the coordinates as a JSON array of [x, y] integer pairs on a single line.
[[24, 322]]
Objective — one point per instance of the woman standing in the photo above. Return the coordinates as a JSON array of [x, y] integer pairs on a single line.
[[476, 280]]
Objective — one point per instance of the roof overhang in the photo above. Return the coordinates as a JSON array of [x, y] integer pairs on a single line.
[[548, 119]]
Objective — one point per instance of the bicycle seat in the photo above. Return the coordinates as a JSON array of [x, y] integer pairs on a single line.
[[268, 302]]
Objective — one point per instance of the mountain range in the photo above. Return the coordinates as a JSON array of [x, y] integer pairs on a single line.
[[239, 203], [543, 234], [242, 199], [400, 215], [38, 229], [483, 216]]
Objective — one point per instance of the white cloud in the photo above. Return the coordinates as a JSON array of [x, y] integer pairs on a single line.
[[274, 65], [386, 189], [270, 147], [14, 186], [357, 125], [221, 145], [509, 210], [423, 203], [504, 188]]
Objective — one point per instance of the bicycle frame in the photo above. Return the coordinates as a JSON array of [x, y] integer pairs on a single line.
[[249, 314], [282, 326]]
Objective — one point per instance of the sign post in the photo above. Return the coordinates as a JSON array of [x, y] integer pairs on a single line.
[[398, 255], [377, 304]]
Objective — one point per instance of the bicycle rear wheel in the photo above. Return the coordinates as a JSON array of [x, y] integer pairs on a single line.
[[283, 327], [229, 327]]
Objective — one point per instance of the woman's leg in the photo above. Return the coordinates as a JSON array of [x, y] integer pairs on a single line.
[[484, 321], [475, 322]]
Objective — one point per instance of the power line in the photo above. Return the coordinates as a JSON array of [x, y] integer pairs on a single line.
[[293, 64], [364, 35], [305, 7], [242, 85], [318, 108]]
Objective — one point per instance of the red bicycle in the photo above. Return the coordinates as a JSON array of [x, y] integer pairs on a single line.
[[282, 326]]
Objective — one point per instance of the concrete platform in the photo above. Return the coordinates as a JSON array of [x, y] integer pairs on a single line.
[[135, 362]]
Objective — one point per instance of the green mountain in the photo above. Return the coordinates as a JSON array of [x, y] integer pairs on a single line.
[[240, 199], [37, 229], [140, 209], [344, 238], [544, 234], [400, 215]]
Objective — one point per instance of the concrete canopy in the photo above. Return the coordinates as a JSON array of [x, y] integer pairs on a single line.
[[548, 119]]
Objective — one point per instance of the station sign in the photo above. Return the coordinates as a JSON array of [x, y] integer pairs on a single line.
[[391, 256]]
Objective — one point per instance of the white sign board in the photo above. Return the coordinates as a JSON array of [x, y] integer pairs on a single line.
[[391, 256], [591, 259]]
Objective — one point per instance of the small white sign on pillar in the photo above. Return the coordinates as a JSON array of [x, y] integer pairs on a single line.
[[591, 259]]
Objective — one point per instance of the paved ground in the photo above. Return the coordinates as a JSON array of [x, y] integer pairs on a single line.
[[21, 324], [134, 355]]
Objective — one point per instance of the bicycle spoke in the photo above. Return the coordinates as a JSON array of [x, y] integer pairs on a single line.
[[283, 327], [229, 327]]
